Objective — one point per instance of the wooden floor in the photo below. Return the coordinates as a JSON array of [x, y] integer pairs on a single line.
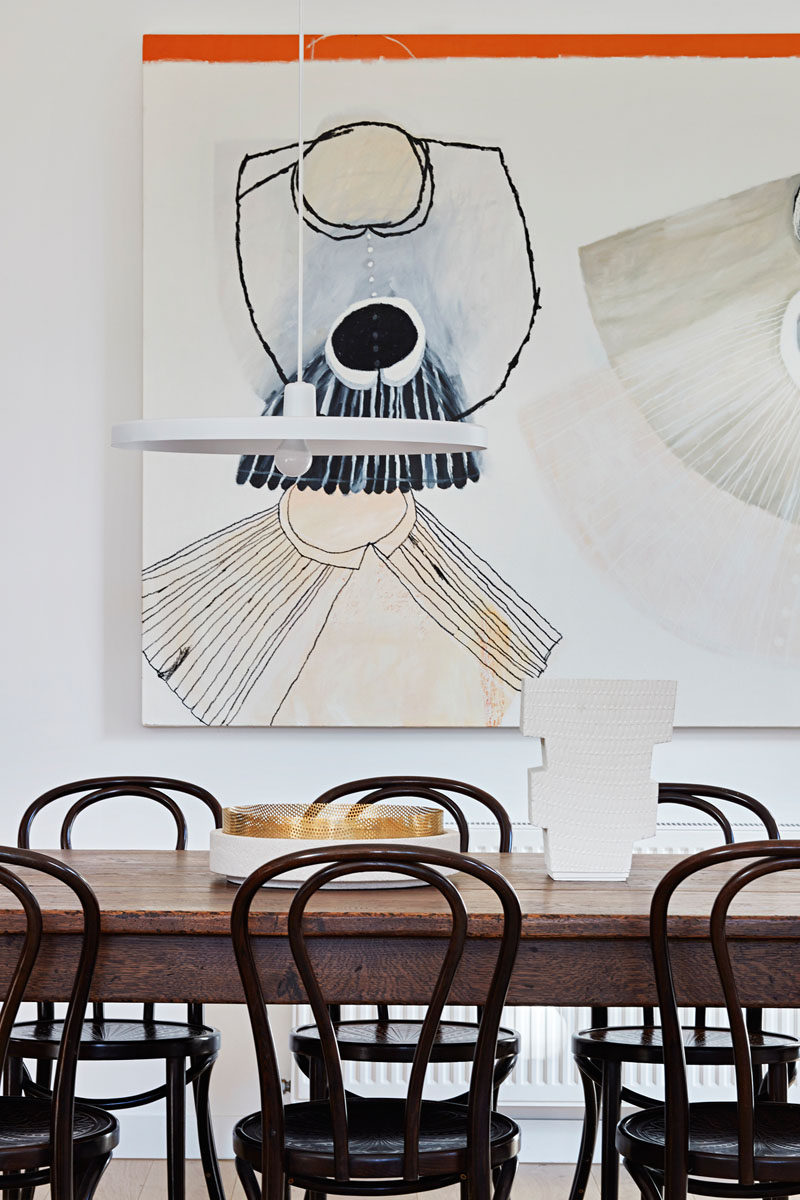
[[140, 1179]]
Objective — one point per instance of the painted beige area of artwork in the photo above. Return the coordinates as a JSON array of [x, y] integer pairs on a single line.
[[646, 283], [690, 310], [723, 574], [339, 610], [338, 527], [380, 660], [345, 178], [684, 454]]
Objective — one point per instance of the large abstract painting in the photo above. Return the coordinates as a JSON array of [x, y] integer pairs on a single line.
[[612, 301]]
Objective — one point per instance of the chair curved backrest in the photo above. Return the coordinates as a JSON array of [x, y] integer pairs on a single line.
[[334, 863], [108, 787], [63, 1105], [92, 791], [765, 857], [426, 787], [700, 795]]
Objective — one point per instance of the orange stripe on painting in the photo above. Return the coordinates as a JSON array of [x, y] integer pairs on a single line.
[[220, 48], [242, 48]]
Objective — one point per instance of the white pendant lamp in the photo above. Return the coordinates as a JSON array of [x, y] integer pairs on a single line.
[[299, 434]]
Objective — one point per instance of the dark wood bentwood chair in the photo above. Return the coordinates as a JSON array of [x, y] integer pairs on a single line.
[[600, 1052], [57, 1141], [743, 1148], [377, 1147], [110, 1039], [388, 1040]]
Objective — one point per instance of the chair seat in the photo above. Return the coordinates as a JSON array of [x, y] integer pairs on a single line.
[[713, 1140], [114, 1040], [704, 1044], [375, 1130], [25, 1132], [396, 1041]]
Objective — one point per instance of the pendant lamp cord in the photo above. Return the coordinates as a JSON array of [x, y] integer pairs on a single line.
[[300, 193]]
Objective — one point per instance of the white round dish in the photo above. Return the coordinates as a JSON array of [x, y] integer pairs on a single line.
[[236, 857]]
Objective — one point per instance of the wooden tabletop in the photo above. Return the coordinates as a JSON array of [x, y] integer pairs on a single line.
[[166, 936], [166, 891]]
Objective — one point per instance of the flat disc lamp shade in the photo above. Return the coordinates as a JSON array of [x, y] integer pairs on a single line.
[[322, 435], [300, 432]]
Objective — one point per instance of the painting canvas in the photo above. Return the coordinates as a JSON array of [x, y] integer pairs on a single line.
[[596, 255]]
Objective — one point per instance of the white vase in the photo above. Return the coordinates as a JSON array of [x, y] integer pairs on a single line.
[[593, 795]]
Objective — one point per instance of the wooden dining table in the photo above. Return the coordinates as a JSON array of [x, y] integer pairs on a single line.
[[166, 936]]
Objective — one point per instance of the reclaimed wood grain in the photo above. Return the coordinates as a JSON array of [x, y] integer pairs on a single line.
[[166, 923]]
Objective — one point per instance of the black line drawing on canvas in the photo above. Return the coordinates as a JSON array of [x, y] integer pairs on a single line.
[[452, 177], [451, 243], [211, 648], [421, 296]]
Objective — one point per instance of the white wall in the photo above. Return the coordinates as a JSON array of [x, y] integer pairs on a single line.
[[70, 215]]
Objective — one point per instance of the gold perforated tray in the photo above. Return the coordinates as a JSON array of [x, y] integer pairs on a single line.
[[344, 822]]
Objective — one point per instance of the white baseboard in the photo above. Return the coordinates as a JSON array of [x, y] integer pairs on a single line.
[[545, 1139], [143, 1134], [552, 1141]]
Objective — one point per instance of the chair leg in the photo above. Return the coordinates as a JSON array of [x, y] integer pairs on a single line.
[[644, 1181], [87, 1176], [12, 1086], [778, 1082], [205, 1134], [176, 1129], [502, 1187], [583, 1167], [502, 1069], [317, 1080], [611, 1099], [479, 1186], [317, 1090], [13, 1076], [44, 1073], [247, 1178], [778, 1088]]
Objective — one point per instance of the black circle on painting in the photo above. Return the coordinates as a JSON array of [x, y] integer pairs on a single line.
[[354, 338]]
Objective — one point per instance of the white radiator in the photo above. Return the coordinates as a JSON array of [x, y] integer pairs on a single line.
[[545, 1077]]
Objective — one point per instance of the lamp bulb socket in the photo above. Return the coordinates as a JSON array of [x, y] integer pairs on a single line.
[[299, 400]]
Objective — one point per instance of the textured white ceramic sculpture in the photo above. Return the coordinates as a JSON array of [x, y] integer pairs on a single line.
[[593, 795]]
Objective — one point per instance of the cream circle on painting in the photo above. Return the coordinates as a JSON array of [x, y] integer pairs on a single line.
[[363, 175], [339, 523]]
